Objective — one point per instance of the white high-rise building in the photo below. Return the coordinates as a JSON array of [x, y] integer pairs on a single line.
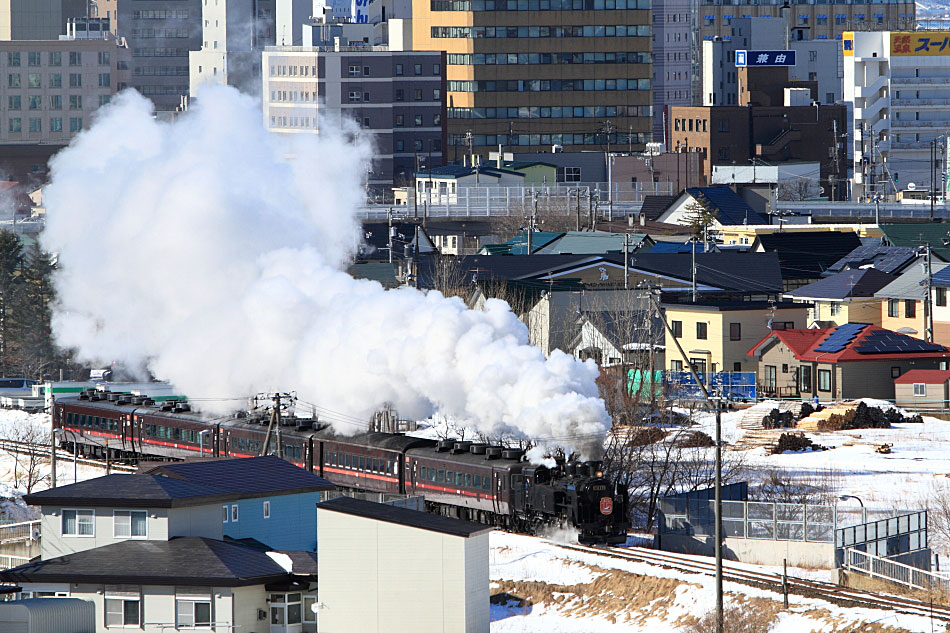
[[233, 35], [899, 86]]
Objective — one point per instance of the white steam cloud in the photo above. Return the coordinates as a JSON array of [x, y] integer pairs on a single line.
[[211, 250]]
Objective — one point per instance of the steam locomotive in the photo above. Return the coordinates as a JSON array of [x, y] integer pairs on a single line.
[[461, 479]]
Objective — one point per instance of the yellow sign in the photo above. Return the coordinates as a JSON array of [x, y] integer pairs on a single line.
[[920, 43], [847, 41]]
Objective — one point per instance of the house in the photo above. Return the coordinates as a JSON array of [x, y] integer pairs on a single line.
[[406, 239], [224, 544], [596, 243], [854, 360], [613, 338], [742, 234], [394, 570], [683, 247], [518, 245], [535, 172], [265, 498], [902, 303], [655, 205], [383, 272], [806, 255], [845, 297], [441, 185], [717, 336], [182, 583], [887, 259], [721, 201], [917, 235], [461, 237], [925, 389]]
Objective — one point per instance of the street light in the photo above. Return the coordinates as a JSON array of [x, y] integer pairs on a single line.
[[858, 499], [201, 437]]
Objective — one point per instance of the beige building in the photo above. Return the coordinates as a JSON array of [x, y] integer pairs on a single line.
[[922, 389], [844, 297], [904, 308], [52, 88], [375, 562], [717, 337]]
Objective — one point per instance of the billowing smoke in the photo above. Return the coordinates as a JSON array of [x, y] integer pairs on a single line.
[[211, 251]]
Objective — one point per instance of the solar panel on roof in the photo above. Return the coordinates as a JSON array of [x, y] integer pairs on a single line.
[[883, 342]]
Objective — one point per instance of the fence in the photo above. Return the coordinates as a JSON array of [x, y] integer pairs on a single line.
[[749, 519], [884, 537], [907, 575], [732, 385], [7, 562], [23, 531]]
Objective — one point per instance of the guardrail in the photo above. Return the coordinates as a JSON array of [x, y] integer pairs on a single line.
[[8, 562], [900, 573]]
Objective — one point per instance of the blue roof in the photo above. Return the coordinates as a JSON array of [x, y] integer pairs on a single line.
[[591, 243], [680, 247], [518, 245], [888, 259], [942, 277], [730, 208]]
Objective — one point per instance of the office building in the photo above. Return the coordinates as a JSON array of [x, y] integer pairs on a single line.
[[233, 35], [899, 83], [53, 87], [160, 34], [532, 74], [675, 31], [398, 96], [820, 61], [720, 75]]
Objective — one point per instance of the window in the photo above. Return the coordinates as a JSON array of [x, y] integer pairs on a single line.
[[78, 522], [835, 308], [398, 69], [920, 389], [36, 102], [399, 96], [15, 125], [569, 174], [13, 59], [366, 97], [234, 513], [75, 80], [56, 59], [436, 95], [366, 71], [824, 380], [701, 330], [34, 80], [893, 308], [75, 102], [56, 80], [224, 509], [33, 59], [105, 80], [309, 615], [14, 102], [676, 365], [418, 120], [804, 378], [400, 145], [267, 509], [941, 297], [417, 95], [418, 69], [13, 80], [129, 524], [103, 58], [735, 331], [677, 327], [353, 71], [56, 124], [400, 120], [75, 58], [355, 95], [192, 610], [910, 308], [122, 611], [895, 372]]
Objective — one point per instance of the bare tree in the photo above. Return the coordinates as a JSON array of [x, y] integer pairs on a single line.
[[30, 454], [797, 189], [450, 278]]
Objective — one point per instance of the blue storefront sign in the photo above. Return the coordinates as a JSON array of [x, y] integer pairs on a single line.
[[765, 58]]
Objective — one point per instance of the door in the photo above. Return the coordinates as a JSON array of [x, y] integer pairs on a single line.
[[770, 379], [286, 613]]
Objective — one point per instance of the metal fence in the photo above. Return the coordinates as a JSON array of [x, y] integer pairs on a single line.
[[749, 519], [884, 537], [8, 562], [907, 575], [732, 385], [23, 531]]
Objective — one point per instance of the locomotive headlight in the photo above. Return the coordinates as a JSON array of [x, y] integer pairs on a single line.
[[600, 473]]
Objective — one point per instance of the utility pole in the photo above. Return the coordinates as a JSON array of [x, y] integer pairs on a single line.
[[626, 261], [928, 304], [608, 129], [694, 268], [52, 457], [390, 215], [531, 221], [933, 176], [274, 423], [834, 153], [415, 186], [577, 224], [718, 511]]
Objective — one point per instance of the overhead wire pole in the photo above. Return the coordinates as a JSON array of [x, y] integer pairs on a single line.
[[274, 419], [718, 484]]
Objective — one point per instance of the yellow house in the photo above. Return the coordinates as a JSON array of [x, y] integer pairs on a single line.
[[845, 297], [716, 336], [902, 304]]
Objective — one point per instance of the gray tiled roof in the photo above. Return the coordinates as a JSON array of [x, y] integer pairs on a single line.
[[846, 284], [908, 285]]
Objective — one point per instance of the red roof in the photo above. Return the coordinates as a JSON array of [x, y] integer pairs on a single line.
[[802, 344], [927, 376]]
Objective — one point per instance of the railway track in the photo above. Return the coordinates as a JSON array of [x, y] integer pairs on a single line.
[[831, 592], [64, 458]]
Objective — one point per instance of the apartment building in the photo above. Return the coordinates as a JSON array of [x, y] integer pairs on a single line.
[[37, 19], [530, 74], [233, 35], [52, 88], [675, 29], [720, 75], [160, 33], [899, 83], [398, 96]]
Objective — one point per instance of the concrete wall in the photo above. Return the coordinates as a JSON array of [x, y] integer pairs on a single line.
[[372, 574], [756, 552]]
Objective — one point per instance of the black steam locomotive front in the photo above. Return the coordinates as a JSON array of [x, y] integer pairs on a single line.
[[578, 494]]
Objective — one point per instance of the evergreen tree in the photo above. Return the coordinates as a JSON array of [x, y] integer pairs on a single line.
[[11, 262]]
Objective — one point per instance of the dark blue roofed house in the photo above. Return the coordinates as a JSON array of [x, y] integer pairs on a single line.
[[210, 544], [806, 256], [725, 205]]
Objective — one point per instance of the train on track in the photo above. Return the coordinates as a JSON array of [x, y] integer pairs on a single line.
[[467, 480]]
